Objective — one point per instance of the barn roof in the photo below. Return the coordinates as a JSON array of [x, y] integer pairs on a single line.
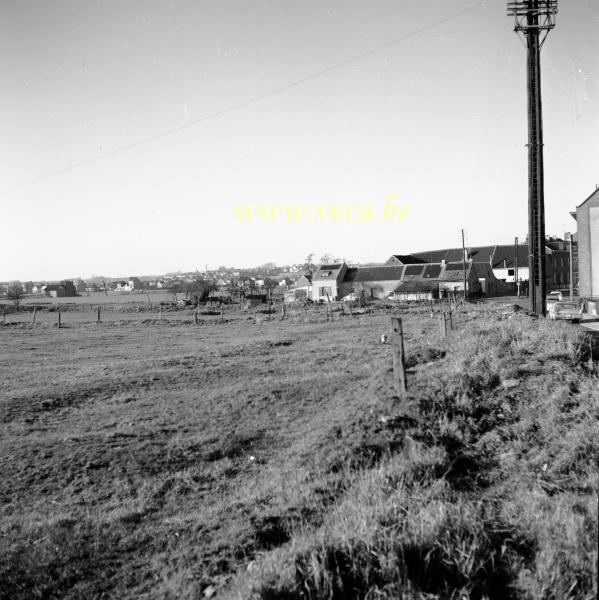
[[407, 259], [360, 274], [504, 256], [418, 285]]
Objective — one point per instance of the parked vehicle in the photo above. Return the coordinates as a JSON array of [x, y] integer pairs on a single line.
[[554, 297], [567, 311], [350, 297]]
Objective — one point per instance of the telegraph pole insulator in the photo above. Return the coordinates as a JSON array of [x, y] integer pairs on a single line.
[[534, 19]]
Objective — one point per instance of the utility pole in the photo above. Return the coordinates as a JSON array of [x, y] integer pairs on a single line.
[[464, 266], [516, 286], [571, 269], [534, 19]]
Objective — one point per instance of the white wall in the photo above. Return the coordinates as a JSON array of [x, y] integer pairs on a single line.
[[502, 274], [594, 248]]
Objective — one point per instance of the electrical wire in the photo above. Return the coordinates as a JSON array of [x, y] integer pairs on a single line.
[[248, 102]]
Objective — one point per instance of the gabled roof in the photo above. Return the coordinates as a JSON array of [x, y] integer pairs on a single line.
[[405, 259], [595, 193], [303, 281], [328, 272]]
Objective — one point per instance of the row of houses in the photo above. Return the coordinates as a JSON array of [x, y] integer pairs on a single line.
[[486, 270], [68, 288], [409, 281]]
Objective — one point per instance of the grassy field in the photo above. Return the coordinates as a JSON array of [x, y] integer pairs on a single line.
[[272, 459]]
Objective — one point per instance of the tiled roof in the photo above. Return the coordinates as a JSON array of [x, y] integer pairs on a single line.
[[437, 256], [388, 273], [504, 256], [413, 270], [418, 285], [495, 255], [454, 267], [327, 272], [432, 271]]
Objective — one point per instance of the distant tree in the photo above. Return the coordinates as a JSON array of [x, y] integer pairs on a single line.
[[15, 293], [269, 266], [309, 266], [197, 290], [176, 287], [326, 259]]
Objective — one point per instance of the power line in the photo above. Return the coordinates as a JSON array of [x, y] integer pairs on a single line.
[[253, 100]]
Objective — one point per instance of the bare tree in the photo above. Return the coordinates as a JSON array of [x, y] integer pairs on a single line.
[[15, 293], [365, 291], [309, 266]]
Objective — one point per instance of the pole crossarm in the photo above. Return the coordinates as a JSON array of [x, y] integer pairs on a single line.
[[533, 15], [523, 8]]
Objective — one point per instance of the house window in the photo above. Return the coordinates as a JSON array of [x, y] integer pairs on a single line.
[[324, 291], [510, 272]]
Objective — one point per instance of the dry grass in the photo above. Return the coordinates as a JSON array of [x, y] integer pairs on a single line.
[[271, 460]]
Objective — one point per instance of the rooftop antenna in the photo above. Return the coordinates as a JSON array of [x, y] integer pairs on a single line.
[[534, 19]]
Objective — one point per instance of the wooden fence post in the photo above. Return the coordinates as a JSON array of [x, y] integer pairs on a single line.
[[450, 320], [99, 310], [195, 317], [161, 312], [399, 366], [33, 319], [283, 310], [59, 323], [443, 323]]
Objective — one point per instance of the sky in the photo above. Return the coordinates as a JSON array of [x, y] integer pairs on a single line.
[[131, 131]]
